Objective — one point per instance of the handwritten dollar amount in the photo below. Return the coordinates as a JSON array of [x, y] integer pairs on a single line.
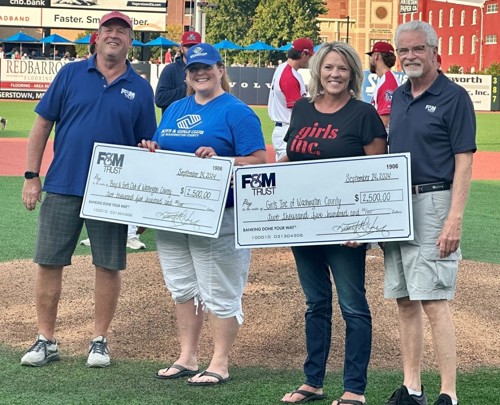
[[200, 193], [379, 196]]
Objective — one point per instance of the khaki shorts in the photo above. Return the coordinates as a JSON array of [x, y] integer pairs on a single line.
[[59, 227], [413, 268]]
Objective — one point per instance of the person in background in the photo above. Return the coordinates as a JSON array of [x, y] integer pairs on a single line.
[[3, 122], [355, 130], [92, 43], [2, 52], [438, 61], [287, 87], [382, 59], [172, 83], [207, 275], [124, 115], [433, 119], [168, 56]]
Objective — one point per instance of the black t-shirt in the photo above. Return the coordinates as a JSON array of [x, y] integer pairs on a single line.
[[315, 135]]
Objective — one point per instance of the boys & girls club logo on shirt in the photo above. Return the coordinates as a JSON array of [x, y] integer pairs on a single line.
[[113, 162], [188, 121]]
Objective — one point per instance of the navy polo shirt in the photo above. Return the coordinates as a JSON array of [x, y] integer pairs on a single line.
[[433, 127], [85, 110]]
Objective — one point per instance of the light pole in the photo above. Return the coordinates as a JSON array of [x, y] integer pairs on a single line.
[[200, 16]]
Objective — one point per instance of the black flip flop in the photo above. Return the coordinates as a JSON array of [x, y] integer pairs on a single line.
[[341, 401], [183, 372], [219, 378], [308, 396]]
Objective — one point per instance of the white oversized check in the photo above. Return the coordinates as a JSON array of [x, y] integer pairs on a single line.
[[172, 191], [317, 202]]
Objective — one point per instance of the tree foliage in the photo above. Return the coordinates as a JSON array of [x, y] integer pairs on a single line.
[[231, 20], [276, 22]]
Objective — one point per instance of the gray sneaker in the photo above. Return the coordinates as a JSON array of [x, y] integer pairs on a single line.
[[42, 352], [98, 353], [402, 397]]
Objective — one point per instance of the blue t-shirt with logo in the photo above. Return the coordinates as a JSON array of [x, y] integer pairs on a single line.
[[225, 123], [85, 110]]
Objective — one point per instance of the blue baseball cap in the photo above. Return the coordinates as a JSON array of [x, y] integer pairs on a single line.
[[202, 53]]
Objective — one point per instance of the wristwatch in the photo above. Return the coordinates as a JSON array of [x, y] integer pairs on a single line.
[[31, 175]]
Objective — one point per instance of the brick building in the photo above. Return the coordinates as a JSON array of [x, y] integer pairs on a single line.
[[468, 31]]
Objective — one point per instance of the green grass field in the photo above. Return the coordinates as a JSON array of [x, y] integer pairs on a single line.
[[132, 382]]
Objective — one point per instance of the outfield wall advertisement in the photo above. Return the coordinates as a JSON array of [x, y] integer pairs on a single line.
[[145, 15], [28, 79]]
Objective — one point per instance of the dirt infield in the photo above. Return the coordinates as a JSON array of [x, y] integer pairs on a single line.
[[273, 332], [13, 160]]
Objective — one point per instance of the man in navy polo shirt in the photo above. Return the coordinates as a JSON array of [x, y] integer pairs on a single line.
[[98, 100], [433, 119]]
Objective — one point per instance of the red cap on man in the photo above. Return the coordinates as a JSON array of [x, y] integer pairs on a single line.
[[190, 38], [115, 15], [381, 46], [93, 38], [303, 45]]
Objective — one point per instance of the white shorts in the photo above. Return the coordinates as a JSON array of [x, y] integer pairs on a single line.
[[413, 268], [207, 269]]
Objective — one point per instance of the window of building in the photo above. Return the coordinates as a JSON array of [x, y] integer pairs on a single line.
[[430, 17], [440, 45], [450, 46], [462, 41], [189, 7], [474, 17], [473, 45], [492, 8], [462, 18], [452, 16], [490, 39], [441, 14], [420, 16]]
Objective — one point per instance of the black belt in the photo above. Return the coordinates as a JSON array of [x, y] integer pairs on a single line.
[[427, 188], [278, 124]]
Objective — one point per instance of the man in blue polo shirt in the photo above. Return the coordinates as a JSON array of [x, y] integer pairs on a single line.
[[433, 119], [98, 100]]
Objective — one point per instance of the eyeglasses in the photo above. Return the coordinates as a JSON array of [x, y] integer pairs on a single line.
[[417, 50]]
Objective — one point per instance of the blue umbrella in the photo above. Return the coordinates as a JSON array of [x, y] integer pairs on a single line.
[[227, 45], [84, 40], [20, 37], [136, 42], [161, 42], [55, 39], [316, 48], [259, 46]]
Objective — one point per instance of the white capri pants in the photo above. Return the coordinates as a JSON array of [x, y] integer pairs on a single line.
[[208, 269]]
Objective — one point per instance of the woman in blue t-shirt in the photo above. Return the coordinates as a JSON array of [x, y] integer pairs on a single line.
[[206, 274], [334, 123]]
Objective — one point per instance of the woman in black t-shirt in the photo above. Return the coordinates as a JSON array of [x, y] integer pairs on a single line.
[[334, 123]]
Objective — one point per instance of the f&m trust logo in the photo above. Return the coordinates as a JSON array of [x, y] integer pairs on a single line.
[[261, 183], [113, 162]]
